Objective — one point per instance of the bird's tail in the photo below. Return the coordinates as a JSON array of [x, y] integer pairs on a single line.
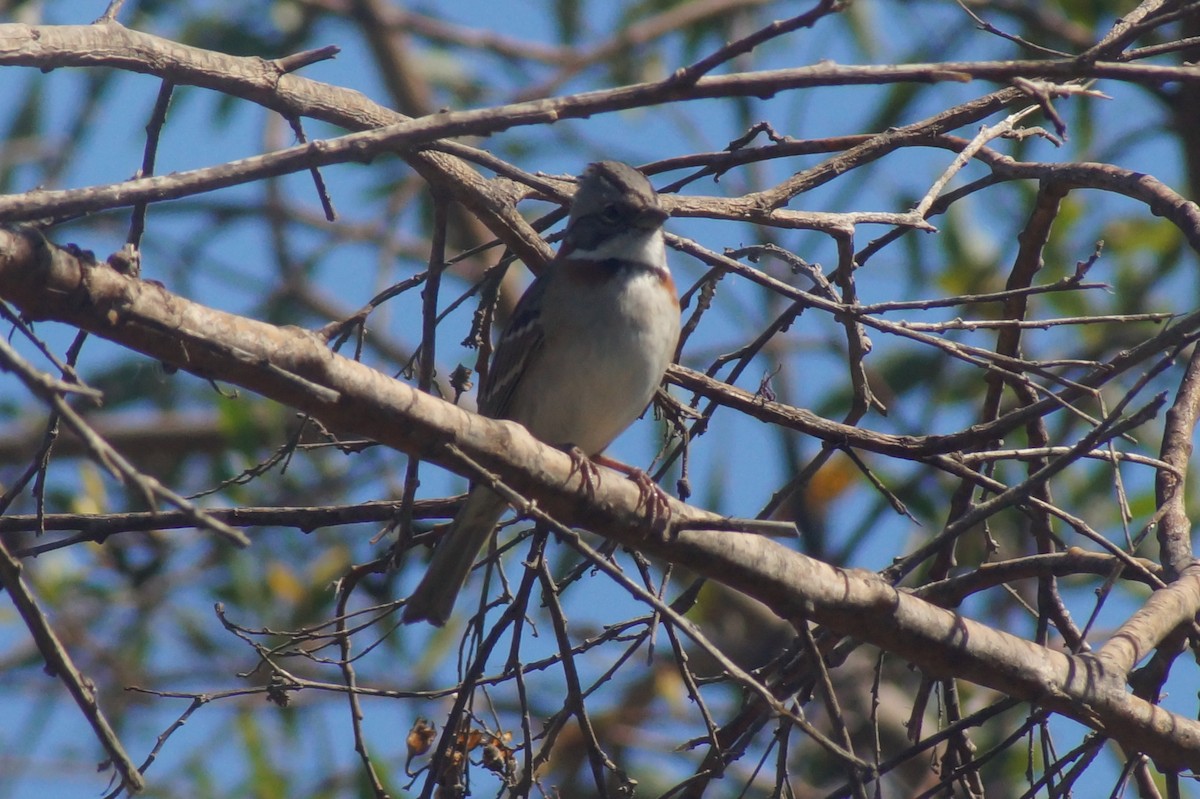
[[433, 599]]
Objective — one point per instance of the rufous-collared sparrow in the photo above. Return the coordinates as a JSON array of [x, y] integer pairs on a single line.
[[582, 356]]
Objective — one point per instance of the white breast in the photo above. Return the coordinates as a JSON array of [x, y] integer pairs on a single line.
[[601, 360]]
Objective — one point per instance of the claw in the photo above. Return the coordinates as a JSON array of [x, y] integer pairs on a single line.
[[650, 495], [589, 475]]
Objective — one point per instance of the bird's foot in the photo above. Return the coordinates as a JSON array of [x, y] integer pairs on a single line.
[[650, 495], [589, 475]]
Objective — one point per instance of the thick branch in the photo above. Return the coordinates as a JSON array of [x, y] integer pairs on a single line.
[[1175, 528], [295, 367]]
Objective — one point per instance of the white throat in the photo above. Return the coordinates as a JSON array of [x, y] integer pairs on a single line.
[[645, 247]]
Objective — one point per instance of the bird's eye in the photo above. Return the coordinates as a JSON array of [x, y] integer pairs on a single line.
[[610, 214]]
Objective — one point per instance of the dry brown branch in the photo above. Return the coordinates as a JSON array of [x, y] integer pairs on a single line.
[[1174, 532], [292, 367]]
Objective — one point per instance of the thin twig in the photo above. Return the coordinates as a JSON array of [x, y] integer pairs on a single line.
[[47, 389], [59, 663]]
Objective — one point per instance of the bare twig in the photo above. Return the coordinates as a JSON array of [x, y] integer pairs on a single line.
[[60, 664]]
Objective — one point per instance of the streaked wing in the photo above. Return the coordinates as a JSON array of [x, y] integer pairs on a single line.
[[521, 340]]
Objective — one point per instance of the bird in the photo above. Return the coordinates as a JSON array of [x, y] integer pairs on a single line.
[[582, 356]]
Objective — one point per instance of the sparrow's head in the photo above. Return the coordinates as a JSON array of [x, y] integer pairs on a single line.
[[613, 200]]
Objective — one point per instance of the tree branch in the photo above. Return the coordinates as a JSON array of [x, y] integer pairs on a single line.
[[294, 367]]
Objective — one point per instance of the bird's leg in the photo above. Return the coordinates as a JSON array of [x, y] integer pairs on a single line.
[[650, 494], [589, 475]]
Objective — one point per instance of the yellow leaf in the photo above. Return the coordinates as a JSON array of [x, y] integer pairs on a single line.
[[283, 582]]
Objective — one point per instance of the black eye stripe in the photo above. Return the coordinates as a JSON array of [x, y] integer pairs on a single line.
[[615, 212]]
